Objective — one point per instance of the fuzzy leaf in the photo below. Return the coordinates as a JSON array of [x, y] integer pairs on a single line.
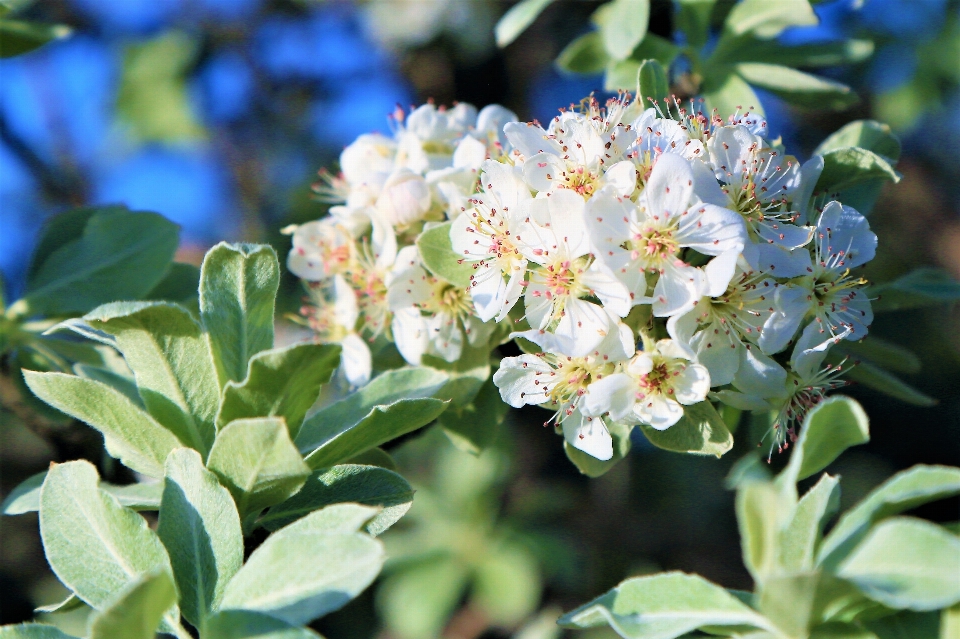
[[768, 19], [283, 382], [653, 86], [593, 467], [830, 428], [905, 490], [95, 546], [33, 631], [907, 563], [762, 513], [25, 498], [257, 462], [585, 54], [516, 20], [136, 612], [130, 434], [665, 606], [847, 167], [246, 624], [438, 256], [623, 23], [693, 19], [366, 485], [393, 404], [700, 431], [170, 356], [200, 528], [417, 602], [238, 286], [866, 134], [307, 569], [799, 540]]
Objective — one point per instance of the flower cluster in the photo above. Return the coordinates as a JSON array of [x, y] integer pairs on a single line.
[[662, 260]]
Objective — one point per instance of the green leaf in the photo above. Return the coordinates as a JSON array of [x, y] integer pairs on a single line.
[[623, 23], [19, 36], [653, 87], [244, 624], [438, 256], [921, 287], [847, 167], [59, 230], [950, 623], [585, 54], [238, 285], [766, 19], [906, 563], [200, 528], [95, 546], [701, 431], [33, 631], [593, 467], [797, 87], [907, 624], [25, 498], [821, 54], [119, 255], [666, 605], [474, 427], [728, 94], [883, 353], [180, 284], [307, 569], [878, 379], [693, 19], [72, 602], [368, 485], [787, 600], [257, 462], [393, 404], [866, 134], [799, 540], [904, 491], [507, 584], [516, 20], [762, 513], [416, 602], [830, 428], [170, 355], [839, 630], [283, 382], [136, 611], [125, 385], [130, 434]]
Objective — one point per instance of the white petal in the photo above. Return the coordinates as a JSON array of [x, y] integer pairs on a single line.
[[584, 324], [669, 188], [611, 291], [568, 223], [410, 334], [783, 262], [622, 176], [692, 384], [712, 230], [719, 352], [588, 434], [677, 290], [345, 307], [809, 175], [516, 376], [791, 304], [719, 272], [542, 171], [759, 376], [356, 360], [614, 394], [658, 412], [470, 153], [530, 139], [706, 187]]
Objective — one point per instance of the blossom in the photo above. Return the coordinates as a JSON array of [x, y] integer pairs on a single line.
[[321, 249], [652, 388], [404, 199], [333, 315], [366, 164], [647, 237], [559, 382], [656, 136]]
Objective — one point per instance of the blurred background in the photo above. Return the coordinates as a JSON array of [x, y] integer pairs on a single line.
[[218, 114]]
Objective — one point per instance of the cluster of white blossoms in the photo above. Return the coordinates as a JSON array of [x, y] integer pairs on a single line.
[[662, 260]]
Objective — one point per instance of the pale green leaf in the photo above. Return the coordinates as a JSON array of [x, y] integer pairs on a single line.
[[623, 23], [95, 546], [119, 255], [905, 490], [136, 611], [257, 462], [306, 570], [516, 20], [200, 528], [847, 167], [593, 467], [180, 284], [33, 631], [729, 94], [664, 606], [797, 87], [72, 602], [787, 600], [767, 19], [830, 428], [762, 513], [25, 498], [238, 285], [819, 54], [417, 601], [585, 54], [122, 383], [950, 622], [438, 256], [799, 540], [246, 624], [839, 630], [653, 86], [866, 134], [906, 563], [282, 382], [170, 356], [507, 584], [393, 404], [130, 434], [20, 36], [701, 431], [367, 485]]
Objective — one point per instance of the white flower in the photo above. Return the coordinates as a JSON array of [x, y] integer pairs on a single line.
[[404, 199], [430, 316], [652, 389], [488, 233], [554, 299], [366, 164], [656, 136], [559, 381], [647, 237], [828, 295], [578, 153], [321, 249], [333, 318], [428, 136]]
